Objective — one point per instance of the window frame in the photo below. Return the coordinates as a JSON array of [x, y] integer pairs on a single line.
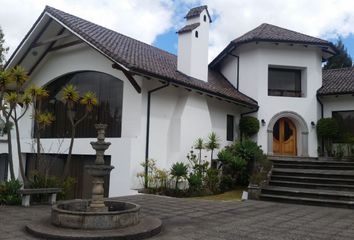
[[284, 92], [230, 127], [342, 111]]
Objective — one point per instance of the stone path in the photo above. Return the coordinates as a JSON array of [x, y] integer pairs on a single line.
[[215, 220]]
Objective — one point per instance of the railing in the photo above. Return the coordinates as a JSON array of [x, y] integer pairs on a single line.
[[284, 93]]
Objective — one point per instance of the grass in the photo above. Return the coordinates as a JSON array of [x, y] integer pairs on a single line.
[[234, 195]]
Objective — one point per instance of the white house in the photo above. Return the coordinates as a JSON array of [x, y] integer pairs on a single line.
[[157, 104]]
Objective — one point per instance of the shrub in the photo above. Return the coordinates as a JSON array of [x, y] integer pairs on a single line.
[[249, 126], [179, 170], [328, 129], [195, 182], [8, 192], [227, 183], [39, 180], [212, 180]]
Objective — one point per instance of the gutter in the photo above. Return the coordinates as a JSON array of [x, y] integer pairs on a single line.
[[148, 130], [321, 104]]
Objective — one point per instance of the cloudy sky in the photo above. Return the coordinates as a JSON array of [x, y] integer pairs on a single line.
[[156, 21]]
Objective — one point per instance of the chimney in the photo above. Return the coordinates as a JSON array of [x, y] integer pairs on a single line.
[[193, 41]]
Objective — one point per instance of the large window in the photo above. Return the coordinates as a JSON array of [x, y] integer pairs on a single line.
[[284, 82], [345, 121], [109, 91]]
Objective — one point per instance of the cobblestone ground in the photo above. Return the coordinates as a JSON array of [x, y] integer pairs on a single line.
[[215, 220]]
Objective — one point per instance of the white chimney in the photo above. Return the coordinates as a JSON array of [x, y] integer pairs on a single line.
[[193, 41]]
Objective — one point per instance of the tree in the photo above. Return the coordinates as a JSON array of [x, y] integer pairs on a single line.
[[72, 98], [41, 119], [199, 144], [249, 126], [212, 144], [3, 49], [16, 99], [341, 60]]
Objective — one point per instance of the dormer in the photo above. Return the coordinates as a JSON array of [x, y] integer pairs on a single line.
[[193, 41]]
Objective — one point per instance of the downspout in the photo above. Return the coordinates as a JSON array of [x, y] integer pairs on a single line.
[[245, 113], [321, 104], [148, 131]]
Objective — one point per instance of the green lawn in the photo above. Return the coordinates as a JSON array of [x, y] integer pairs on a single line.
[[234, 195]]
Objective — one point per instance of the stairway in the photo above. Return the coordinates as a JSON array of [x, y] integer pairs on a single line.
[[311, 181]]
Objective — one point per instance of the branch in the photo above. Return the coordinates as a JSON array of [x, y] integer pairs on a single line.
[[81, 119]]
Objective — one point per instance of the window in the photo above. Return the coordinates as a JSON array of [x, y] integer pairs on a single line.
[[204, 18], [345, 121], [284, 82], [109, 91], [196, 34], [230, 126]]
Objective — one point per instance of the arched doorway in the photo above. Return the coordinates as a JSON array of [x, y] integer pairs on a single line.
[[299, 127], [284, 137]]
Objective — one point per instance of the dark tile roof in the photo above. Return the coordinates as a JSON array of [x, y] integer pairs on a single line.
[[271, 33], [145, 59], [188, 28], [268, 32], [337, 81], [196, 11]]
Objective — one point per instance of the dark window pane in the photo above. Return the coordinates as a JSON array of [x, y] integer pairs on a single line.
[[109, 91], [288, 132], [345, 121], [284, 82], [276, 131], [230, 128]]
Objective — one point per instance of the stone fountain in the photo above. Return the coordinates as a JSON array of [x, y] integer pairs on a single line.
[[96, 218]]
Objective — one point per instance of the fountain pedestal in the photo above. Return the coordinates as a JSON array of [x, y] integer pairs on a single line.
[[96, 218]]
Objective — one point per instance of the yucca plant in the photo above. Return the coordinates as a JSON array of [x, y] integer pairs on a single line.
[[19, 76], [5, 81], [212, 144], [71, 97], [199, 144]]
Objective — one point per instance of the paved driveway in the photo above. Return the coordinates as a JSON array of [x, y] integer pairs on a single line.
[[215, 220]]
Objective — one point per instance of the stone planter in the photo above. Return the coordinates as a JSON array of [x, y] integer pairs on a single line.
[[254, 191]]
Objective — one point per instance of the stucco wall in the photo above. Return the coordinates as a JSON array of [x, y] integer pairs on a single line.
[[337, 103], [254, 62]]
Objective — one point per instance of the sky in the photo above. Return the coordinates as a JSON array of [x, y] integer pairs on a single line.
[[156, 21]]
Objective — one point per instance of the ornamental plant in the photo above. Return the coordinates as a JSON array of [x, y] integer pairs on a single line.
[[249, 126], [178, 171], [328, 130]]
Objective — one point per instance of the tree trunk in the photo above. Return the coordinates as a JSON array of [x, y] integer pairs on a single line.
[[19, 152], [9, 156], [200, 156], [177, 178], [38, 147], [68, 159]]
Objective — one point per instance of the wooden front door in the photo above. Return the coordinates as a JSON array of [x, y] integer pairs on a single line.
[[284, 137]]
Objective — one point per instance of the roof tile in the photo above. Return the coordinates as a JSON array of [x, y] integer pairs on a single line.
[[337, 81]]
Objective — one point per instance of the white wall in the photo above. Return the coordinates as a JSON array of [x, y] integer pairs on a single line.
[[229, 69], [192, 51], [79, 59], [337, 103], [253, 81]]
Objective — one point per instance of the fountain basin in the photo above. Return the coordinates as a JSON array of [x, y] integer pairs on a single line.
[[76, 214]]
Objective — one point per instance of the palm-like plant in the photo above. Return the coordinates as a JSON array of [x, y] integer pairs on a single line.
[[19, 75], [178, 170], [213, 143], [199, 144], [71, 96]]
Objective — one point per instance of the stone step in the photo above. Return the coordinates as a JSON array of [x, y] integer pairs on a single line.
[[309, 193], [311, 185], [314, 162], [312, 179], [341, 174], [307, 201], [312, 166], [292, 158]]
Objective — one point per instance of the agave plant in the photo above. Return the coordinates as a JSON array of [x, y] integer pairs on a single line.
[[179, 170]]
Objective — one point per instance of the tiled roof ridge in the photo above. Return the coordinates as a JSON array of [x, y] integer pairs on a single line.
[[108, 29]]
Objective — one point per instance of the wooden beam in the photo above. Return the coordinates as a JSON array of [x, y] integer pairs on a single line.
[[52, 39], [35, 40], [65, 45], [45, 53], [128, 76]]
